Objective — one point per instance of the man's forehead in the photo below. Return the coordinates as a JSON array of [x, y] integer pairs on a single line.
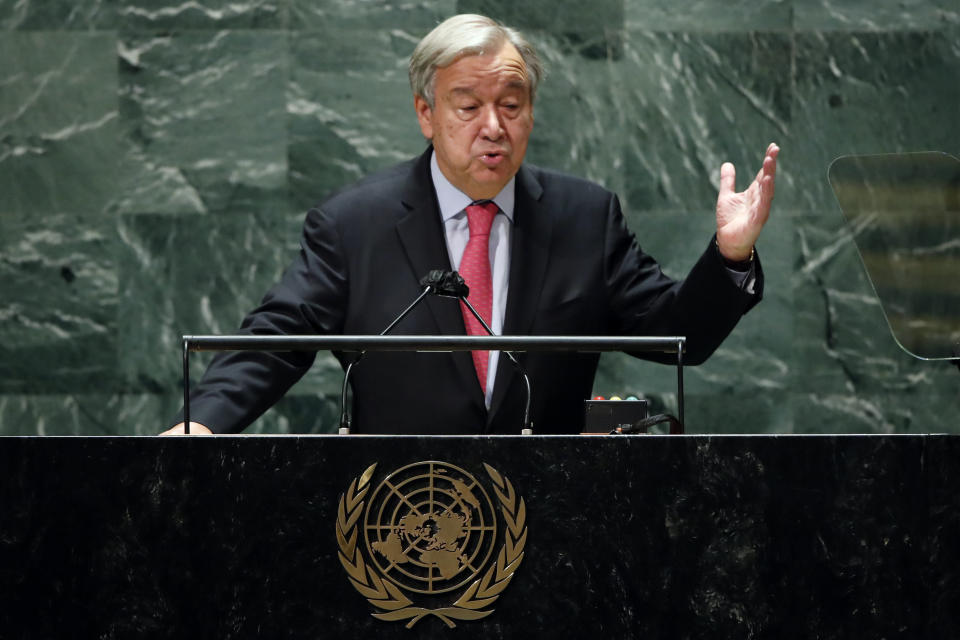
[[467, 87], [505, 62]]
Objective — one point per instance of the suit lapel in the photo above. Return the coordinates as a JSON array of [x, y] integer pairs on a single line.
[[529, 254], [421, 234]]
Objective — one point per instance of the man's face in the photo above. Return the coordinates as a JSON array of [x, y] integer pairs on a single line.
[[481, 120]]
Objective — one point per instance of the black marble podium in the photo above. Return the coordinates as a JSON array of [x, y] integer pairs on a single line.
[[627, 536]]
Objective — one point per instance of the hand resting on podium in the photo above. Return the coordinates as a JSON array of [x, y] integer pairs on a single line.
[[196, 429]]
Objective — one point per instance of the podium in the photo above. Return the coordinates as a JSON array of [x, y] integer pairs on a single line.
[[619, 536]]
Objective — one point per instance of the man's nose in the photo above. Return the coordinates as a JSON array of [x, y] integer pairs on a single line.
[[491, 125]]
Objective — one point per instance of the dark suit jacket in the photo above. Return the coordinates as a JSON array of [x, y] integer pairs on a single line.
[[574, 269]]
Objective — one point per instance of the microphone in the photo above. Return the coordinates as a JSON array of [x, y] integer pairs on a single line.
[[447, 284], [450, 284]]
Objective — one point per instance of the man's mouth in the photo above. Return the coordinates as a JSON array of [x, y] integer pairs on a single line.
[[492, 159]]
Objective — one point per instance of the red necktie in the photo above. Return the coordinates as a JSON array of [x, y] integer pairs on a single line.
[[475, 269]]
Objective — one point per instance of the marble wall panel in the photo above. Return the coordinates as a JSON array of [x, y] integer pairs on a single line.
[[91, 414], [913, 411], [200, 275], [49, 15], [416, 19], [577, 123], [58, 122], [841, 333], [343, 126], [593, 29], [192, 275], [146, 414], [202, 116], [694, 100], [709, 15], [161, 15], [740, 411], [848, 369], [58, 329], [860, 93], [132, 129], [873, 15], [838, 317]]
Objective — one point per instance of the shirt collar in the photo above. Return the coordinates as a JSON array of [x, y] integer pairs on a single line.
[[452, 201]]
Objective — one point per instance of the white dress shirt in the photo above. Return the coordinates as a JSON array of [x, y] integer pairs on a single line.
[[453, 213]]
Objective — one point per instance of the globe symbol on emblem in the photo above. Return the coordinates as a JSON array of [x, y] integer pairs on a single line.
[[430, 527]]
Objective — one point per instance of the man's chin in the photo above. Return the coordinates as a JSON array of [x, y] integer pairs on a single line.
[[490, 182]]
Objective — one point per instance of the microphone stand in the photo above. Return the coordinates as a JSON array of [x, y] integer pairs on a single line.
[[345, 417], [527, 424], [447, 284], [450, 284]]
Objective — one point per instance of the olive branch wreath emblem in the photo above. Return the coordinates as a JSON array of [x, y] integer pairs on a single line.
[[385, 595]]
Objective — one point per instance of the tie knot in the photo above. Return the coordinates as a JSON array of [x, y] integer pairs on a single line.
[[480, 217]]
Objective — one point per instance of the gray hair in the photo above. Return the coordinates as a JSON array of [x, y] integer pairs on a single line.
[[466, 35]]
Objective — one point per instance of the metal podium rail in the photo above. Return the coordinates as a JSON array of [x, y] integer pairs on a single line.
[[639, 344]]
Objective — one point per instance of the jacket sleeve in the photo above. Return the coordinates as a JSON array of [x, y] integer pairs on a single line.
[[310, 298], [704, 307]]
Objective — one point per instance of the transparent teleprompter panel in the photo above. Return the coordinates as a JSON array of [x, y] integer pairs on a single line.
[[904, 214]]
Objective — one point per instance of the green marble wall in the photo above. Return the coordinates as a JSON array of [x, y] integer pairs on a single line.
[[157, 157]]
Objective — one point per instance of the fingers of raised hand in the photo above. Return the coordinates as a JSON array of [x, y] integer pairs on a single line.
[[768, 171], [770, 160], [728, 178]]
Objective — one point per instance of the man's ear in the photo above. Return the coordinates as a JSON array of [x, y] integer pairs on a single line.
[[424, 116]]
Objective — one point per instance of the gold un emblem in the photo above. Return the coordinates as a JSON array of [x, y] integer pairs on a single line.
[[424, 542]]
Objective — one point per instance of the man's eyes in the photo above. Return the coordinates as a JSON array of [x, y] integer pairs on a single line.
[[512, 106]]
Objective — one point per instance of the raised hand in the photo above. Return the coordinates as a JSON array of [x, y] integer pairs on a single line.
[[741, 215]]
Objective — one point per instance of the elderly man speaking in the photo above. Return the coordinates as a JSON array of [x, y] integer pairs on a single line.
[[543, 254]]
